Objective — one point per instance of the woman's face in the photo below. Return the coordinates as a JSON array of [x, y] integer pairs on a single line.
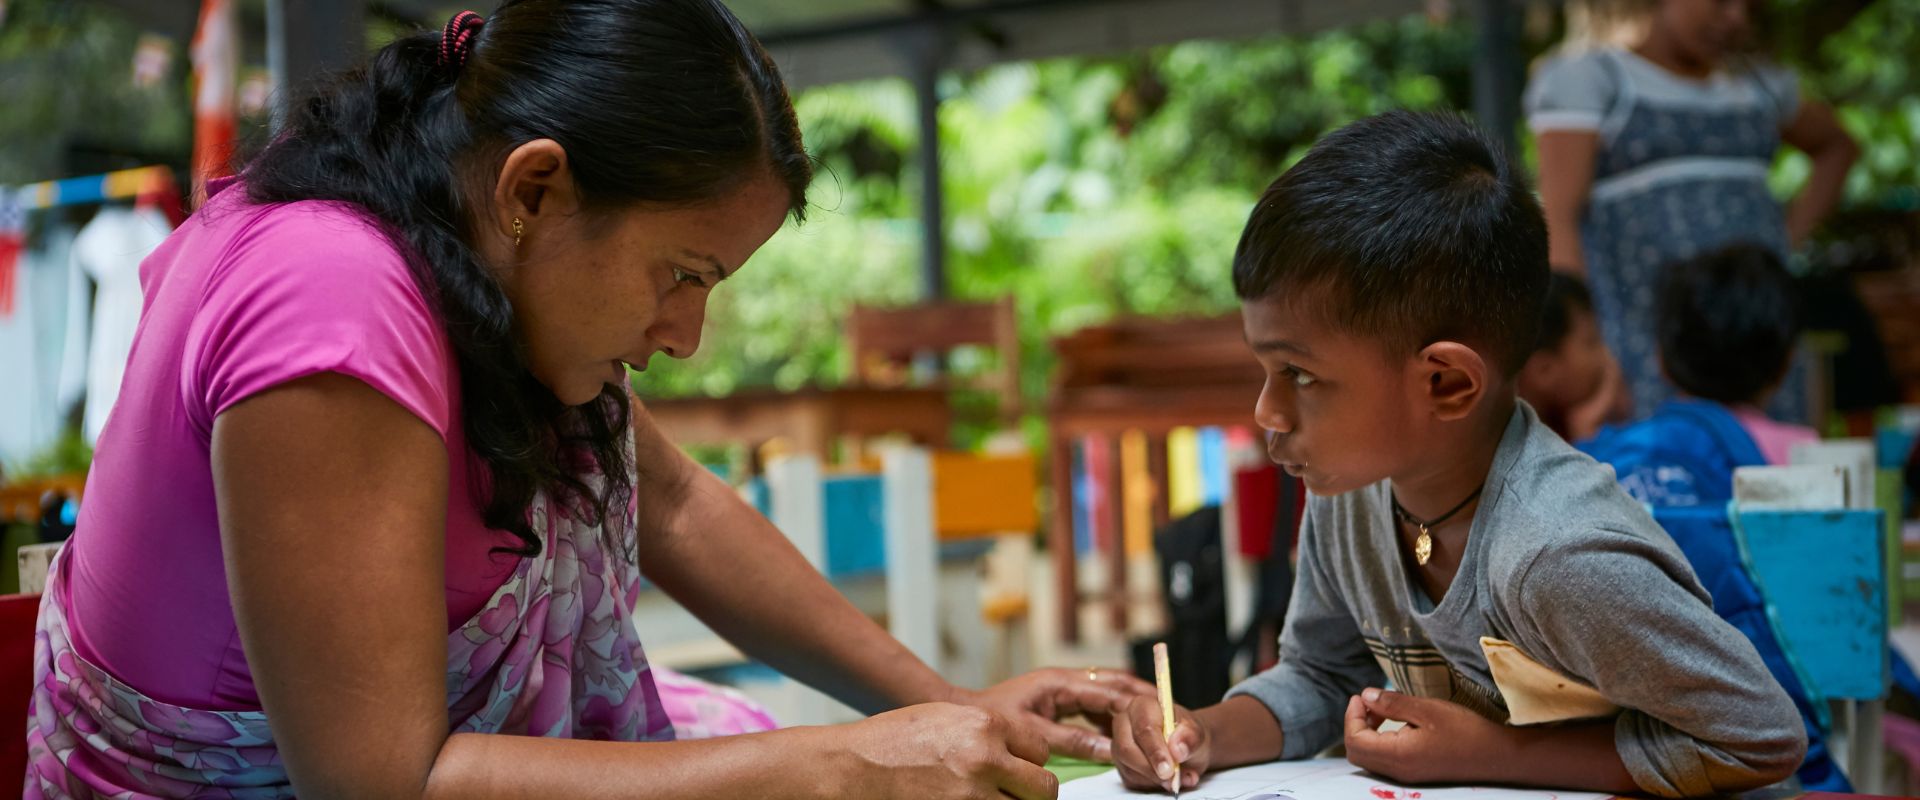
[[593, 293], [1705, 31]]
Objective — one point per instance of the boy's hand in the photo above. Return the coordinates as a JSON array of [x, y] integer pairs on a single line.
[[1146, 759], [1443, 742]]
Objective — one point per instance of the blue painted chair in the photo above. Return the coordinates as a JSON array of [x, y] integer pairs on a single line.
[[1705, 535]]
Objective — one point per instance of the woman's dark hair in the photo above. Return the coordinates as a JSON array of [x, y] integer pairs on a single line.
[[1727, 323], [1567, 298], [659, 102]]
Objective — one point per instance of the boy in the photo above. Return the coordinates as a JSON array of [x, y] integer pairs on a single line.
[[1570, 380], [1728, 321], [1391, 284]]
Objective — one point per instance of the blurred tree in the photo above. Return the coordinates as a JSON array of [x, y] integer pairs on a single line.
[[67, 77], [1867, 70], [1087, 188]]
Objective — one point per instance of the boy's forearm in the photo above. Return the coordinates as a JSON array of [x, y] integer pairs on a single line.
[[1241, 730], [1577, 756]]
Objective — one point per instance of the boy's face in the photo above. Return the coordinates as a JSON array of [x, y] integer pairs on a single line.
[[1571, 373], [1339, 411]]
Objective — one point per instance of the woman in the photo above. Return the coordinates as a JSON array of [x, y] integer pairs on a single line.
[[1660, 152], [375, 490]]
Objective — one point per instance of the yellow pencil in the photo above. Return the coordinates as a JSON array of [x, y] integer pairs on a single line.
[[1163, 676]]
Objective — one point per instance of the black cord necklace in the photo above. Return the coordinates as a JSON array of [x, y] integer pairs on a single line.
[[1423, 546]]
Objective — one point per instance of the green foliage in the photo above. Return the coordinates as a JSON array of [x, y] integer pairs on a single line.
[[68, 456], [1086, 188], [1868, 71], [66, 76]]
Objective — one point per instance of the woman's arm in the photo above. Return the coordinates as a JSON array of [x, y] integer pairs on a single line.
[[1566, 175], [1816, 132], [331, 501]]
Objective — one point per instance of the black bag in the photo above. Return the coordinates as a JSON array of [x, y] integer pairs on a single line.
[[1200, 648], [1193, 581]]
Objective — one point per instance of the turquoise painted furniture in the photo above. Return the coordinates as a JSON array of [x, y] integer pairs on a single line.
[[1824, 576]]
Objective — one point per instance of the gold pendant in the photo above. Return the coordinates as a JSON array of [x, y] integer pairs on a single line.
[[1423, 547]]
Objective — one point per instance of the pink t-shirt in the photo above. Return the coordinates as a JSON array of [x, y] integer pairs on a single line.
[[1775, 439], [242, 298]]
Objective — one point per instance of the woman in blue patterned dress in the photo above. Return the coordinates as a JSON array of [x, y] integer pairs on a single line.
[[1659, 152]]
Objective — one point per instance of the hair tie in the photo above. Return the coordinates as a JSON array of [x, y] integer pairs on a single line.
[[456, 40]]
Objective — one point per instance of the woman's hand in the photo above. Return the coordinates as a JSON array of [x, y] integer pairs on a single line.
[[935, 751], [1146, 759], [1039, 699]]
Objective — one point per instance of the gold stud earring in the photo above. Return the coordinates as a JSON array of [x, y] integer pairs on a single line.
[[519, 230]]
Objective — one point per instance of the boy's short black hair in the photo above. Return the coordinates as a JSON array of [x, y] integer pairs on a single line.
[[1567, 296], [1728, 321], [1419, 228]]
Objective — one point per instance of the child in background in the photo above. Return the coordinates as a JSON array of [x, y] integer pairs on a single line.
[[1534, 620], [1571, 380], [1727, 323]]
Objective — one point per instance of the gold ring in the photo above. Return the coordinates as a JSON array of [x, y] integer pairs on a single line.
[[1093, 674]]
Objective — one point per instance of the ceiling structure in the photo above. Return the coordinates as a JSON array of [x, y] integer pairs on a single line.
[[829, 41]]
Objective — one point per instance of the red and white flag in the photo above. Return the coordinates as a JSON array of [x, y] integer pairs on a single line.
[[216, 74], [13, 239]]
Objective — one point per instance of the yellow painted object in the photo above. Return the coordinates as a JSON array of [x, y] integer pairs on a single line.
[[1137, 491], [20, 501], [983, 495], [1003, 609], [1183, 471]]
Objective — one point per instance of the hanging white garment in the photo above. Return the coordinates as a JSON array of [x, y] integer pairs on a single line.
[[107, 252], [31, 345]]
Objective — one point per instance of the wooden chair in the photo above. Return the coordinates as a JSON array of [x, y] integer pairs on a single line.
[[18, 613], [1146, 375], [885, 341], [1816, 549]]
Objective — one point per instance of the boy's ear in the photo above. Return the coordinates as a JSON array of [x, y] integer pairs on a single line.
[[1456, 379]]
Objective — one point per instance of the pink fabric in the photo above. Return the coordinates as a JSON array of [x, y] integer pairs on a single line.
[[702, 710], [1775, 439], [238, 300], [1902, 736]]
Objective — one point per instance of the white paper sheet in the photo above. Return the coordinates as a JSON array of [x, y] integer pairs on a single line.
[[1317, 779]]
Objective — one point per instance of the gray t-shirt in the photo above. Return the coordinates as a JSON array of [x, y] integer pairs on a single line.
[[1576, 581]]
